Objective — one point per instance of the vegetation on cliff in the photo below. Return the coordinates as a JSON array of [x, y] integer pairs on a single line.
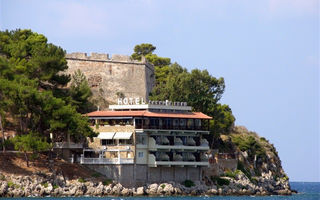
[[256, 155]]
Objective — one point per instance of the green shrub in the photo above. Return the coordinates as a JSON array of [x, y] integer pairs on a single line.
[[188, 183], [162, 186], [219, 181], [250, 144], [81, 180], [263, 139], [222, 181], [254, 180], [55, 186], [230, 174], [2, 177], [10, 184], [96, 175], [241, 167], [285, 178], [107, 182], [45, 185], [257, 172]]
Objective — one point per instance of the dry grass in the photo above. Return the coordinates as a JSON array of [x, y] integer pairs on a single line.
[[14, 163]]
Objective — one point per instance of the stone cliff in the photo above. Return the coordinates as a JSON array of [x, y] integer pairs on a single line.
[[111, 78], [244, 158]]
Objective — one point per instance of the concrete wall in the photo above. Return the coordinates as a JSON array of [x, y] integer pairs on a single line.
[[137, 175], [142, 160], [219, 166], [109, 76]]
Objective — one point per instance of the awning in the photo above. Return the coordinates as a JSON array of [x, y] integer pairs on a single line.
[[106, 135], [122, 135]]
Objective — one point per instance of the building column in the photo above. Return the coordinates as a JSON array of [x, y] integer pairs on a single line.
[[118, 156]]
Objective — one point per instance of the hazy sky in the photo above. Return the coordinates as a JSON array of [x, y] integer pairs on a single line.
[[267, 51]]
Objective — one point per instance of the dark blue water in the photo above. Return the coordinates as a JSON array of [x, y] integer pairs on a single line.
[[306, 191]]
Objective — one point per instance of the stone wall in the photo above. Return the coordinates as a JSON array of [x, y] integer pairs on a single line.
[[112, 77], [137, 175], [218, 165]]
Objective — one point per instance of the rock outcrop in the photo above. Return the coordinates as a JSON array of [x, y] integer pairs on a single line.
[[36, 186]]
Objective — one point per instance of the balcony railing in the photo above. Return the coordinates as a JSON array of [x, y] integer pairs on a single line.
[[153, 162], [67, 145], [154, 146], [168, 127], [106, 160]]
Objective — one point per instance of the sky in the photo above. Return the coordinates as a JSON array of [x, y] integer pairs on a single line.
[[266, 50]]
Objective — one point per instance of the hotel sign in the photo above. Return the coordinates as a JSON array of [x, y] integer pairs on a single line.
[[139, 101], [131, 101]]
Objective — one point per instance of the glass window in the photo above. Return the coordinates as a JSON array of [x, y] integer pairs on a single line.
[[141, 139], [105, 142], [111, 142], [182, 122], [140, 154], [176, 122], [124, 141], [198, 122]]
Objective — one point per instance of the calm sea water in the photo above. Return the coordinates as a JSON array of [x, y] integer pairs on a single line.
[[306, 191]]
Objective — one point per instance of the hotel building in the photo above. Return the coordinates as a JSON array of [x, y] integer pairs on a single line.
[[142, 143]]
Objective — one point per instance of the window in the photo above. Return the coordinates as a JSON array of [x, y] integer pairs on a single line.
[[111, 142], [125, 141], [141, 139], [140, 154], [176, 122], [105, 142]]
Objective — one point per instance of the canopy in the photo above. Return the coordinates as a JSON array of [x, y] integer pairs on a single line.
[[106, 135], [122, 135]]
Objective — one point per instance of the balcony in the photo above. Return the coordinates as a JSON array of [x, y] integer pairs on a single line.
[[97, 161], [204, 146], [153, 162], [67, 145]]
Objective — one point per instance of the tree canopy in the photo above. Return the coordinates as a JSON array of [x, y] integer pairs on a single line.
[[198, 88], [80, 92], [32, 87]]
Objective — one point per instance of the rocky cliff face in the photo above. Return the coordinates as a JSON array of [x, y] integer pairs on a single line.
[[243, 158], [44, 186]]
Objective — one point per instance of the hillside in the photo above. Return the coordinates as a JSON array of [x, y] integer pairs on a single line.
[[13, 163]]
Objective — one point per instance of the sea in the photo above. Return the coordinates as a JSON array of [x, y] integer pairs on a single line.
[[306, 190]]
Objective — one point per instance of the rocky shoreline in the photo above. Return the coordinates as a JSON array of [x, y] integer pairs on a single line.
[[42, 186]]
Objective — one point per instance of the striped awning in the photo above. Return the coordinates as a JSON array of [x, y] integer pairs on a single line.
[[122, 135], [106, 135]]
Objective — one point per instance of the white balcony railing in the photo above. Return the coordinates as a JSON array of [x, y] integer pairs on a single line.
[[67, 145], [154, 146], [152, 162], [106, 160]]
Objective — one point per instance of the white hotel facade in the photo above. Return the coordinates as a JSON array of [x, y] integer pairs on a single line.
[[142, 143]]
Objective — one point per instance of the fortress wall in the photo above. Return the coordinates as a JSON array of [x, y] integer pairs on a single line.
[[119, 74]]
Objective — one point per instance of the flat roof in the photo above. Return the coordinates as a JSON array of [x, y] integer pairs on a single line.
[[145, 113]]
